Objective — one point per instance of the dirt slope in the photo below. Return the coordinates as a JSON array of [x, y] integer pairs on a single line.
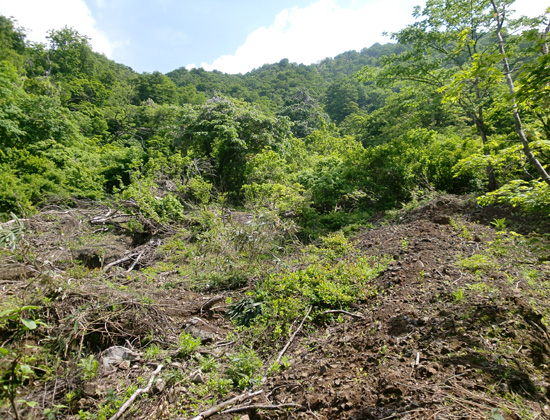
[[457, 330]]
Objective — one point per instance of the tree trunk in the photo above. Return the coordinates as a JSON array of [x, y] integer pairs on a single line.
[[482, 129], [517, 120]]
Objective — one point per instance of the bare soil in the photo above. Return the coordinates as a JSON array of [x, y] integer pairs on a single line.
[[458, 330]]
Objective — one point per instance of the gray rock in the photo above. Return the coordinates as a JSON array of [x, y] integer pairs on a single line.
[[116, 355], [199, 328]]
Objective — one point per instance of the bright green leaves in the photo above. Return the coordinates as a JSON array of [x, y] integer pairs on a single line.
[[229, 133], [338, 277]]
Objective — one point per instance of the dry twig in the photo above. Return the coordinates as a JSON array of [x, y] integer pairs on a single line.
[[261, 407], [278, 359], [136, 394], [216, 409], [340, 311]]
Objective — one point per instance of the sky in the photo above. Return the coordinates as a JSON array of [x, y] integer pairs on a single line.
[[232, 36]]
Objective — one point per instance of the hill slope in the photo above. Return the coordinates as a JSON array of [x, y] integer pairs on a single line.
[[434, 315]]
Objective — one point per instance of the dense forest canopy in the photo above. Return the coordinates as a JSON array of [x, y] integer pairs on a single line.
[[357, 133]]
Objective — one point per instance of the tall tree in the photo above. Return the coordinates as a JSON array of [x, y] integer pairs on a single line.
[[500, 16], [450, 49]]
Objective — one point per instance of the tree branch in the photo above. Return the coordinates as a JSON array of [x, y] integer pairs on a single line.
[[136, 394]]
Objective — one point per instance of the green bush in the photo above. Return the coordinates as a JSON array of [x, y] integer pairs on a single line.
[[187, 345], [244, 368]]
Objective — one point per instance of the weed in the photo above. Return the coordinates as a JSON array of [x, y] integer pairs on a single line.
[[499, 224], [277, 367], [458, 295], [482, 287], [221, 386], [187, 345], [478, 263], [244, 367], [461, 228], [12, 235], [208, 363], [88, 367], [152, 351]]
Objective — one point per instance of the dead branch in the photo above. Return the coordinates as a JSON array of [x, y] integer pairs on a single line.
[[120, 261], [211, 302], [136, 261], [340, 311], [278, 359], [242, 408], [136, 394], [221, 406]]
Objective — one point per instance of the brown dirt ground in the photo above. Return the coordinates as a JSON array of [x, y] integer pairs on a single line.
[[441, 340]]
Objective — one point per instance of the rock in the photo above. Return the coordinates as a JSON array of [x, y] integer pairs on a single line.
[[159, 385], [199, 328], [114, 356], [197, 378], [125, 365], [245, 417], [91, 389], [418, 265]]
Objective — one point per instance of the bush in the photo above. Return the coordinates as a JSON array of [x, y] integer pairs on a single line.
[[243, 368]]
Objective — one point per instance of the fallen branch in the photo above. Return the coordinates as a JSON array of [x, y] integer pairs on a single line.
[[340, 311], [136, 394], [278, 359], [123, 259], [261, 407], [211, 302], [136, 261], [221, 406]]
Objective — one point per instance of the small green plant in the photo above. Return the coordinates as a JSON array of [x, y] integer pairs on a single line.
[[404, 244], [458, 295], [478, 263], [499, 224], [461, 228], [11, 235], [278, 366], [221, 386], [53, 413], [88, 367], [245, 311], [16, 368], [243, 368], [187, 345], [152, 351], [208, 363]]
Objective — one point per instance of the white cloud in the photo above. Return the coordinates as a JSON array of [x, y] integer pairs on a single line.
[[323, 29], [39, 16]]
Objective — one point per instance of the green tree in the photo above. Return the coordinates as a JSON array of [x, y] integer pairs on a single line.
[[451, 50], [343, 98], [156, 87], [304, 112], [229, 133]]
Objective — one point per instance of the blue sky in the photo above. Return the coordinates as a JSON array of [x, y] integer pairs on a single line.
[[232, 36]]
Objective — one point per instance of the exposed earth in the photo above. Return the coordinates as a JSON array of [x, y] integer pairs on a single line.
[[458, 327]]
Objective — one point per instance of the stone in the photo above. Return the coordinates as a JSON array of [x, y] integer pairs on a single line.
[[197, 378], [91, 389], [159, 386], [124, 365], [199, 328], [114, 356]]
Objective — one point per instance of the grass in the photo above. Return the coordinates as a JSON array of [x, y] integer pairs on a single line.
[[478, 263]]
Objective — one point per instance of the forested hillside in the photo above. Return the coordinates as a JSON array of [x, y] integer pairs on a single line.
[[200, 219]]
